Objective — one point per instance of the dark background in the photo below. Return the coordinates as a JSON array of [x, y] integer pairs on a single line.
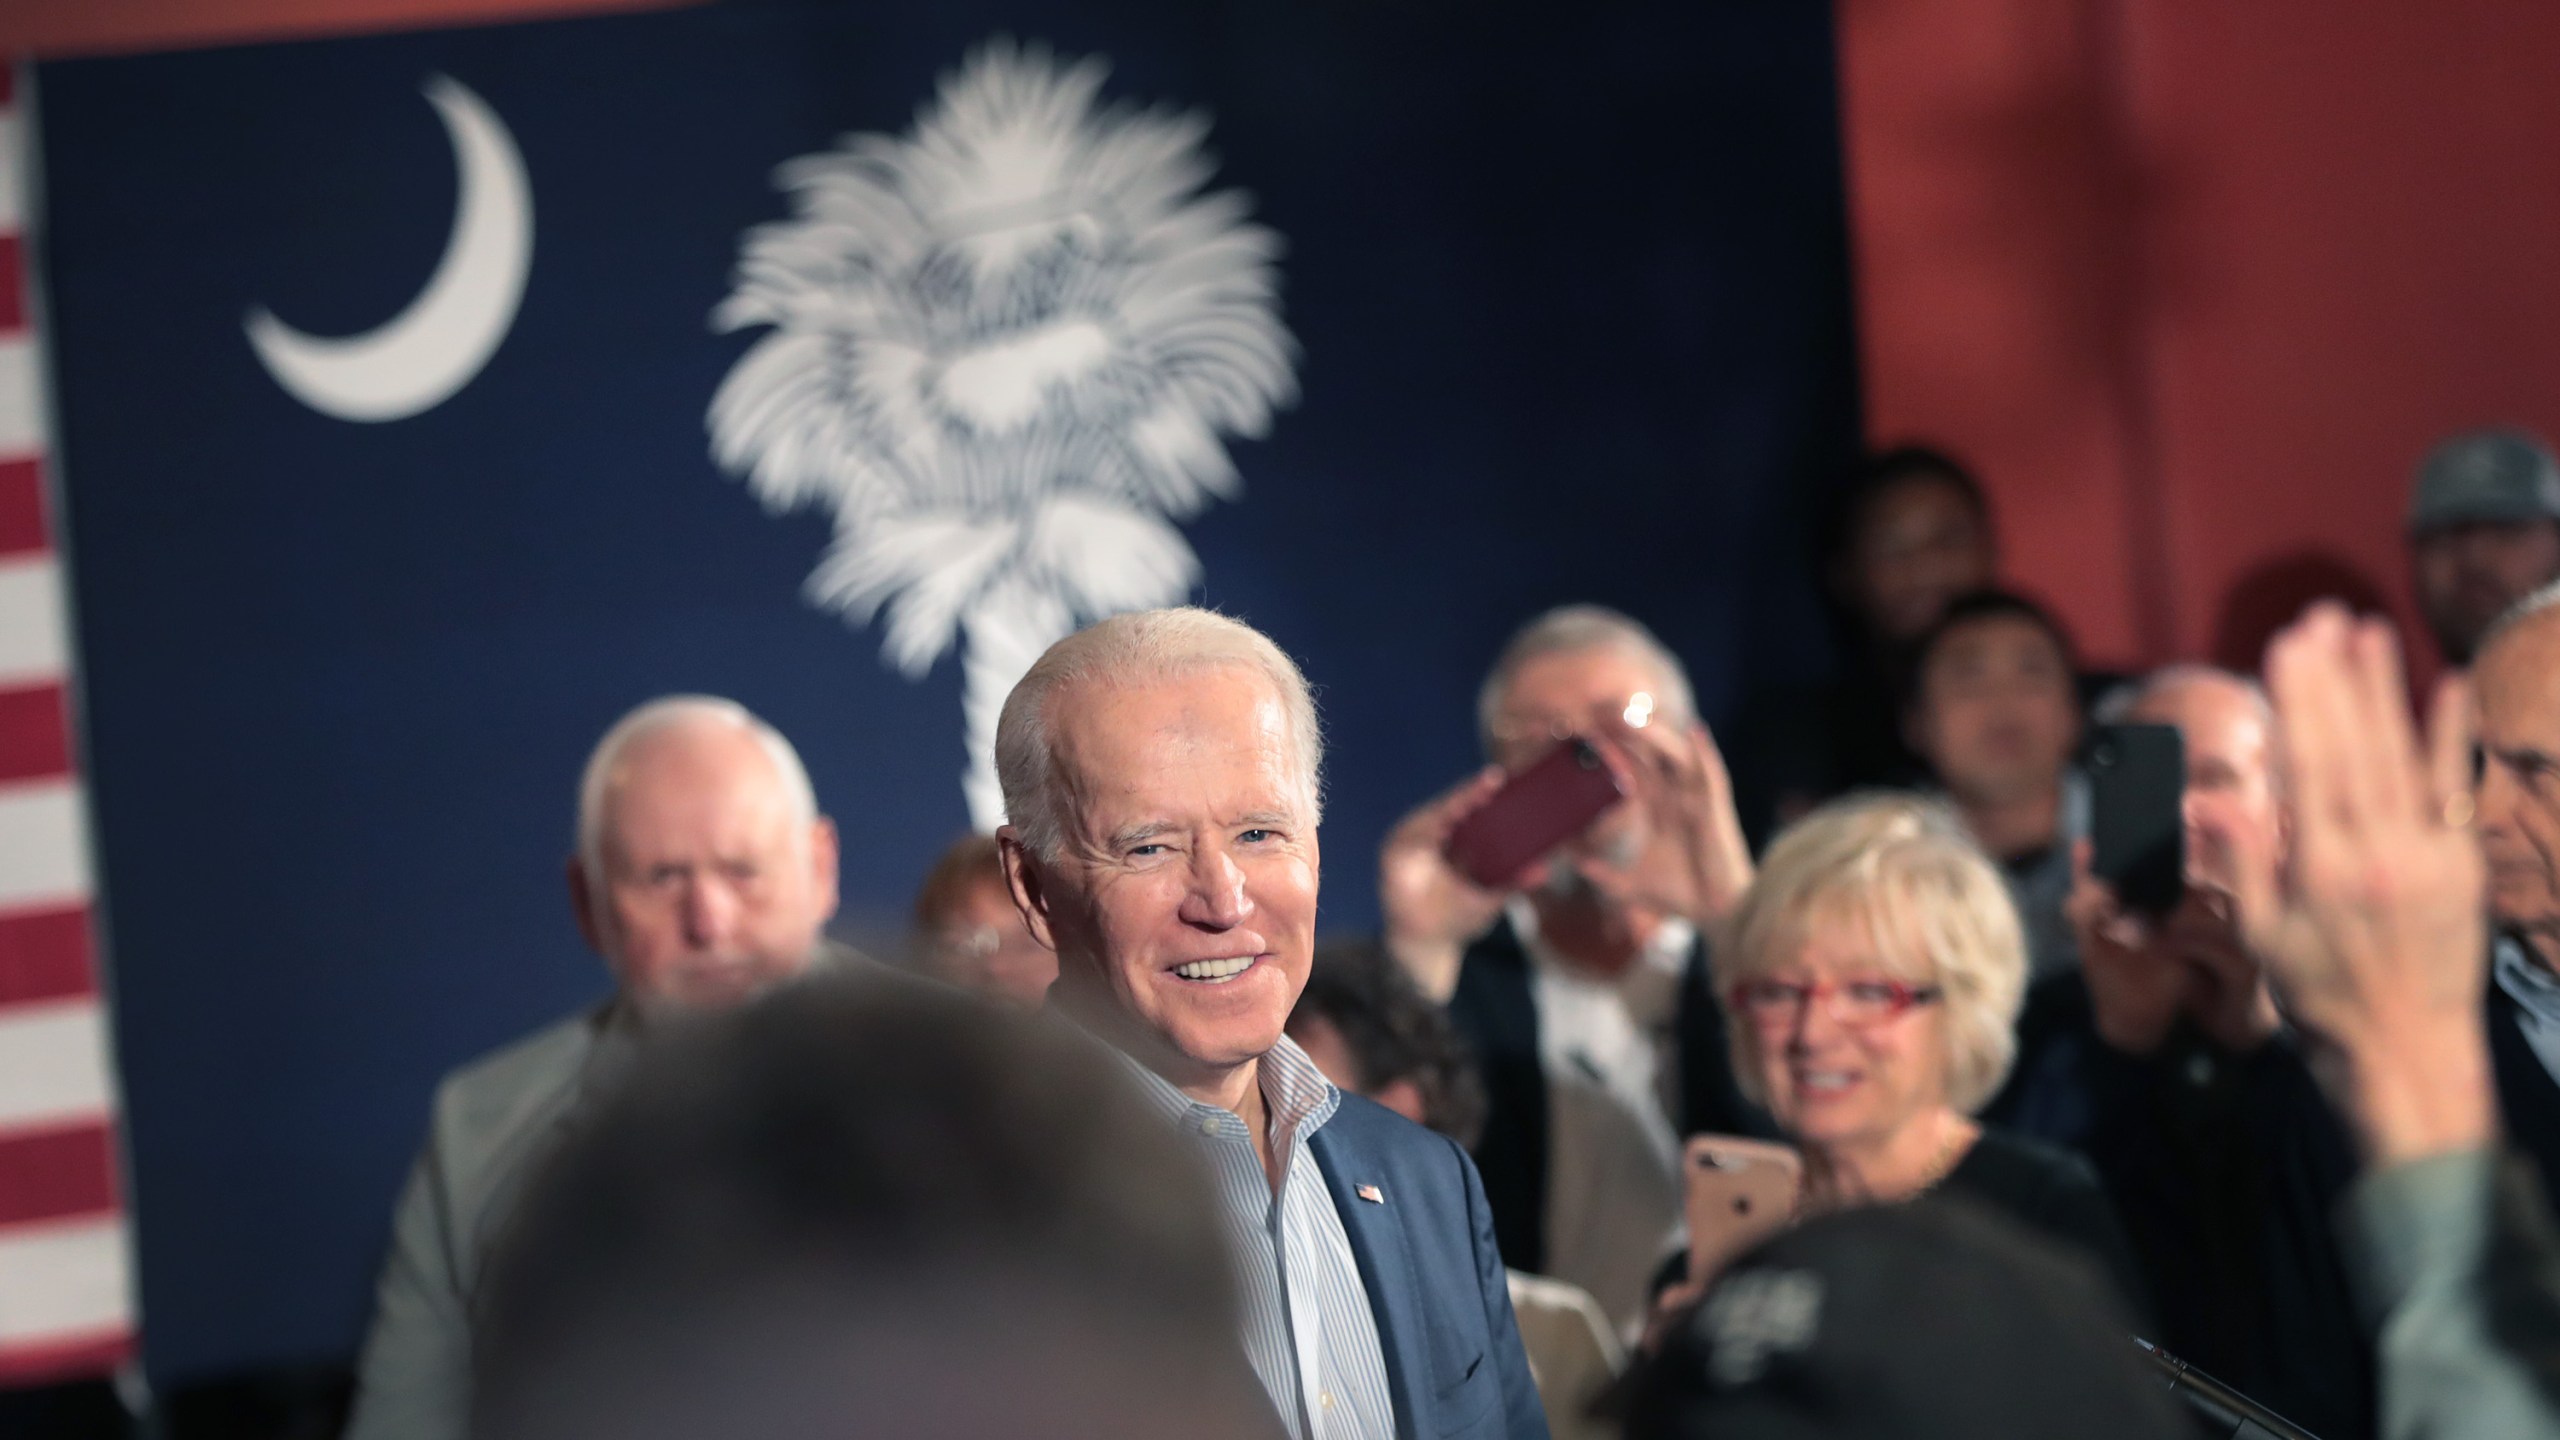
[[1572, 296]]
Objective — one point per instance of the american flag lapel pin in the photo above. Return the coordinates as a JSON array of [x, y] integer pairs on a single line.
[[1371, 1193]]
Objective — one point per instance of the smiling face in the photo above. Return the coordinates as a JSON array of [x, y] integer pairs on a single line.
[[1182, 902], [1833, 1084]]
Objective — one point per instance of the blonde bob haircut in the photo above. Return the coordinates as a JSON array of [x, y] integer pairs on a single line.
[[1902, 871]]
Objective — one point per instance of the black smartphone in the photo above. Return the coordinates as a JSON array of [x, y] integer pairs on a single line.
[[1534, 812], [2137, 824]]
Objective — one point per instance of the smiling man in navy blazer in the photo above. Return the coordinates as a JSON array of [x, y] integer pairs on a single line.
[[1161, 771]]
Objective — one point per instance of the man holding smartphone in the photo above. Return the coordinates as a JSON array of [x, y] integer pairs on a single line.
[[1580, 983], [2196, 1110]]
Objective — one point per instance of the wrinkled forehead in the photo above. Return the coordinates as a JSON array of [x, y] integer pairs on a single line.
[[1223, 733], [686, 784], [2515, 685]]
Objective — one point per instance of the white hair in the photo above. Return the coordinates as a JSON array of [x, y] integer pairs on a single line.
[[2117, 705], [1140, 648], [1573, 629], [2514, 617], [668, 712]]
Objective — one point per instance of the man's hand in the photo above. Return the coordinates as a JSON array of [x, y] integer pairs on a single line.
[[1695, 864], [2136, 987], [1432, 909], [2373, 928]]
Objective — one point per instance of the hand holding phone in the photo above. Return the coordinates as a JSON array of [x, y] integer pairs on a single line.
[[1740, 1192]]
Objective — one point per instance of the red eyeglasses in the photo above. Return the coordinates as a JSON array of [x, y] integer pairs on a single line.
[[1853, 1002]]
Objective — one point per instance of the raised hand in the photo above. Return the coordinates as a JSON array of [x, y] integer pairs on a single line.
[[2373, 925], [2136, 986], [1431, 908], [1696, 863]]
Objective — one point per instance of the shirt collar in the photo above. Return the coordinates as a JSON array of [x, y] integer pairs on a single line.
[[1294, 1091]]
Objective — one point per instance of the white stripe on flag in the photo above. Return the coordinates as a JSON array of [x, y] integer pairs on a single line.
[[53, 1064], [44, 843], [13, 168], [21, 420], [64, 1280], [31, 638]]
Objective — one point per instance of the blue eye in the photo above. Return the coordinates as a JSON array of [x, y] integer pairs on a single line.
[[1255, 837]]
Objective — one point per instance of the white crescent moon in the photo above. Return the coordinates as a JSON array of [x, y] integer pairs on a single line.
[[422, 355]]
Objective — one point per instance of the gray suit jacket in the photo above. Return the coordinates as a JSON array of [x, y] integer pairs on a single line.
[[494, 1119]]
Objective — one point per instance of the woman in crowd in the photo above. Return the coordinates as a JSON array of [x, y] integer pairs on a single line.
[[1872, 977]]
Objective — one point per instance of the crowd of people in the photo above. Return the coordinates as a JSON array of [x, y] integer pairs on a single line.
[[1121, 1148]]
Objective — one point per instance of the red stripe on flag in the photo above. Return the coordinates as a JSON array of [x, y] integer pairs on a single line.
[[13, 283], [57, 1174], [74, 1357], [46, 955], [22, 507], [35, 738]]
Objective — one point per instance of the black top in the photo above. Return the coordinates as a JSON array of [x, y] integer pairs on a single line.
[[2055, 1196]]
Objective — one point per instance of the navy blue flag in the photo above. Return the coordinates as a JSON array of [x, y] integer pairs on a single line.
[[426, 401]]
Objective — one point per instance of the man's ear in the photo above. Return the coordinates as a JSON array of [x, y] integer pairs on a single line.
[[583, 903], [1024, 880], [824, 862]]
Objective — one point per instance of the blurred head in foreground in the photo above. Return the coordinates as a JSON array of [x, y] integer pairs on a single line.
[[1913, 1322], [970, 933], [866, 1207]]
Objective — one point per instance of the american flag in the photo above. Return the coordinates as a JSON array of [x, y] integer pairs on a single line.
[[66, 1307]]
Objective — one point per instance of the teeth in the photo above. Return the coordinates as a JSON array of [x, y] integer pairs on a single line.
[[1215, 969], [1823, 1080]]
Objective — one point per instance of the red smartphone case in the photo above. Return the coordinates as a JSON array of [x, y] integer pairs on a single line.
[[1534, 812]]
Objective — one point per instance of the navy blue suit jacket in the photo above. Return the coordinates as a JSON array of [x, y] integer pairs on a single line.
[[1434, 1276]]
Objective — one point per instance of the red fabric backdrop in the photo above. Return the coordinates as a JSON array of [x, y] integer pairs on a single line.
[[2197, 285]]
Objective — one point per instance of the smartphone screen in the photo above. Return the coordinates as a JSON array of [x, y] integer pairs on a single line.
[[2137, 826]]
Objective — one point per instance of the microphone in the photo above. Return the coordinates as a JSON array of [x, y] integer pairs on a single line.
[[2225, 1411]]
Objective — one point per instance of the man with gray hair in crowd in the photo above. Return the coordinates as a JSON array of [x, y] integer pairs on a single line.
[[1161, 775], [703, 874], [1582, 987]]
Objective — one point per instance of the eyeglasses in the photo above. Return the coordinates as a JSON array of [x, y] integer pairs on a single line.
[[1526, 734], [1775, 1003]]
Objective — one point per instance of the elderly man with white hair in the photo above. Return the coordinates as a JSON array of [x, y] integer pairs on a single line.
[[1161, 772], [1583, 988], [703, 875]]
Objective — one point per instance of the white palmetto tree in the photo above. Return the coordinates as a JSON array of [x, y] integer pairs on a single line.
[[1004, 350]]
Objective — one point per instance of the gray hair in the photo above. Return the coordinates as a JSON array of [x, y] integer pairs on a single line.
[[1573, 629], [668, 712], [2117, 705], [2514, 617], [1140, 648]]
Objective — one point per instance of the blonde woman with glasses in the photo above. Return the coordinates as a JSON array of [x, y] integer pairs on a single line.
[[1871, 977]]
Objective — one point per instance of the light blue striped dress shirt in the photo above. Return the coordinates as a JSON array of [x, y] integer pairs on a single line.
[[1307, 1326]]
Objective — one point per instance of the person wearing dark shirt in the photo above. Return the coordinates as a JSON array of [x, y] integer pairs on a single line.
[[2173, 1076], [2516, 689], [1994, 709], [1873, 974], [1909, 531]]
